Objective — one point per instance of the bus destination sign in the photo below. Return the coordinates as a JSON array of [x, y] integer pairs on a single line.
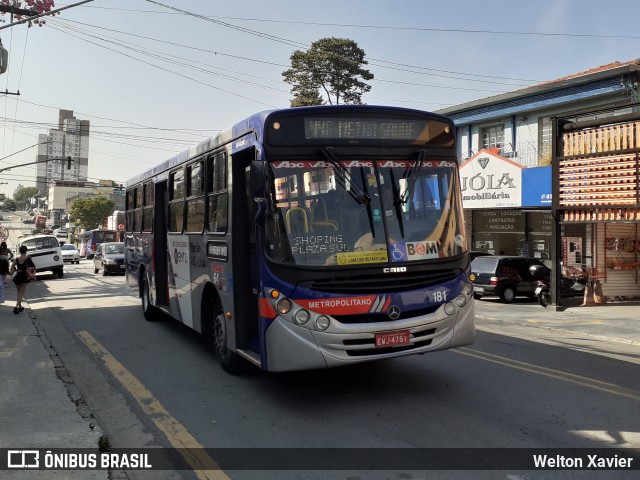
[[323, 128]]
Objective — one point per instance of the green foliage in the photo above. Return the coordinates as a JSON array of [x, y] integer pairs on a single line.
[[91, 213], [25, 194], [9, 204], [333, 66]]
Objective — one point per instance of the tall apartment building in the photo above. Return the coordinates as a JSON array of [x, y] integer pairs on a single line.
[[70, 139]]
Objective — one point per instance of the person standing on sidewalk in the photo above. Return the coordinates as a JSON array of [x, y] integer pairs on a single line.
[[4, 270], [21, 279]]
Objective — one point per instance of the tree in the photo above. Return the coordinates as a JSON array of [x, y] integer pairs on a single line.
[[91, 213], [333, 66], [9, 204], [22, 9], [25, 194]]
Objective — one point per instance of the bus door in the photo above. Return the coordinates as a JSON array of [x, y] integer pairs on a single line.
[[159, 255], [245, 267]]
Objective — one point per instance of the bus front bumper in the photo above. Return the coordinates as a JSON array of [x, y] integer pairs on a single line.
[[292, 347]]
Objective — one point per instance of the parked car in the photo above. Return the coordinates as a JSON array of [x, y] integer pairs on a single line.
[[70, 253], [45, 253], [504, 276], [109, 258]]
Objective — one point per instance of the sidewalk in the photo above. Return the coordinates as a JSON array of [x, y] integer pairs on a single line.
[[617, 321], [40, 407]]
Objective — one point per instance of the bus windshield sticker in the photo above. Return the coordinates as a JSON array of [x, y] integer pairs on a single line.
[[316, 244], [218, 250], [357, 258], [414, 251]]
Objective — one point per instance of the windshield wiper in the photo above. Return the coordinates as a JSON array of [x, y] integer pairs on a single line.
[[397, 202], [413, 173], [342, 177]]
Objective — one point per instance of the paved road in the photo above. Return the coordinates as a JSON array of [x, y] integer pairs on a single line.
[[510, 389]]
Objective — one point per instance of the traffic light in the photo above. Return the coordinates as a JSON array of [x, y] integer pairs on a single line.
[[69, 160]]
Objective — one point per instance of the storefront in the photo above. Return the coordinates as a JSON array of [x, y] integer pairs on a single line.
[[597, 185], [508, 207]]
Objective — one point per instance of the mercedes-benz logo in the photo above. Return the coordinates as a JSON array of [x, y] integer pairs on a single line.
[[394, 312]]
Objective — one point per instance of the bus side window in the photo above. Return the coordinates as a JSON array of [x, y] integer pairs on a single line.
[[128, 219], [217, 194], [195, 198], [176, 202], [137, 212], [147, 213]]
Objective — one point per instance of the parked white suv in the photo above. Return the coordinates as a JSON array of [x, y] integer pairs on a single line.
[[45, 252]]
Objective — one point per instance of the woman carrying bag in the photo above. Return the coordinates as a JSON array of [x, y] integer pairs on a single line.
[[25, 272]]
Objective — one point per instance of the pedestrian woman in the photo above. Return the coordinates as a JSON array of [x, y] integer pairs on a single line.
[[21, 279]]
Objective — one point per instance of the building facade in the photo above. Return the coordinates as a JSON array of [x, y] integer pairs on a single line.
[[506, 143], [69, 141]]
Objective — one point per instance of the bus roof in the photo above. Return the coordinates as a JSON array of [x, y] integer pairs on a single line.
[[253, 127]]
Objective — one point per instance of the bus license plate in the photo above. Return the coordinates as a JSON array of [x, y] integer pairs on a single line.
[[392, 339]]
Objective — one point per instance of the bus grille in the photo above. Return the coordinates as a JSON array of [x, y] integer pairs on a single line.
[[383, 283]]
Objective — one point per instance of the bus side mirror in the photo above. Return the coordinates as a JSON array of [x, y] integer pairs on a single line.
[[261, 210], [257, 179]]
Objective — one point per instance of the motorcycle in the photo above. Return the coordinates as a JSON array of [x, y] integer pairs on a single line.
[[572, 285], [543, 293]]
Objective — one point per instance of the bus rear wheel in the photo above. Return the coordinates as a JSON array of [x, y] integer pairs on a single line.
[[216, 339], [149, 311]]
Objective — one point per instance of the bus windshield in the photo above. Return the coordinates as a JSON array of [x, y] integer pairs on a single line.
[[351, 212]]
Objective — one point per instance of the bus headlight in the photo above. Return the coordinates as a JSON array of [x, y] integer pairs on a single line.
[[301, 317], [460, 300], [322, 322], [283, 306], [450, 308], [468, 288]]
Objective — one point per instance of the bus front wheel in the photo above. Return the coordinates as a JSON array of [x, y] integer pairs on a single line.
[[217, 341], [149, 311]]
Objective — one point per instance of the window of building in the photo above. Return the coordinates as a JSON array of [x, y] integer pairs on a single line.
[[545, 134], [492, 136]]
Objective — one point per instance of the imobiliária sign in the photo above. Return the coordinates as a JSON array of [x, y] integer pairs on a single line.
[[489, 180]]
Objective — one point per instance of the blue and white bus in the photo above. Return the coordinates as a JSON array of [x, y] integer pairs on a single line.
[[308, 238]]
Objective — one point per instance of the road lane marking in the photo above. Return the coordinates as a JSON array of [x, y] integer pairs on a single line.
[[205, 467], [565, 322], [549, 372]]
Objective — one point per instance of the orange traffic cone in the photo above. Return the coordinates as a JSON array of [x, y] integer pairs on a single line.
[[588, 296]]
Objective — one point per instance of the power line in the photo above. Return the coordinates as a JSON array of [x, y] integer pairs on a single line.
[[168, 71], [425, 71], [386, 27]]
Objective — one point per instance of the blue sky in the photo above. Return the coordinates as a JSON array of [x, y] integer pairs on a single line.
[[127, 65]]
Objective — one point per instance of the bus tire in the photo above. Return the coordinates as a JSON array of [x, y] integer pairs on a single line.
[[216, 337], [150, 312]]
